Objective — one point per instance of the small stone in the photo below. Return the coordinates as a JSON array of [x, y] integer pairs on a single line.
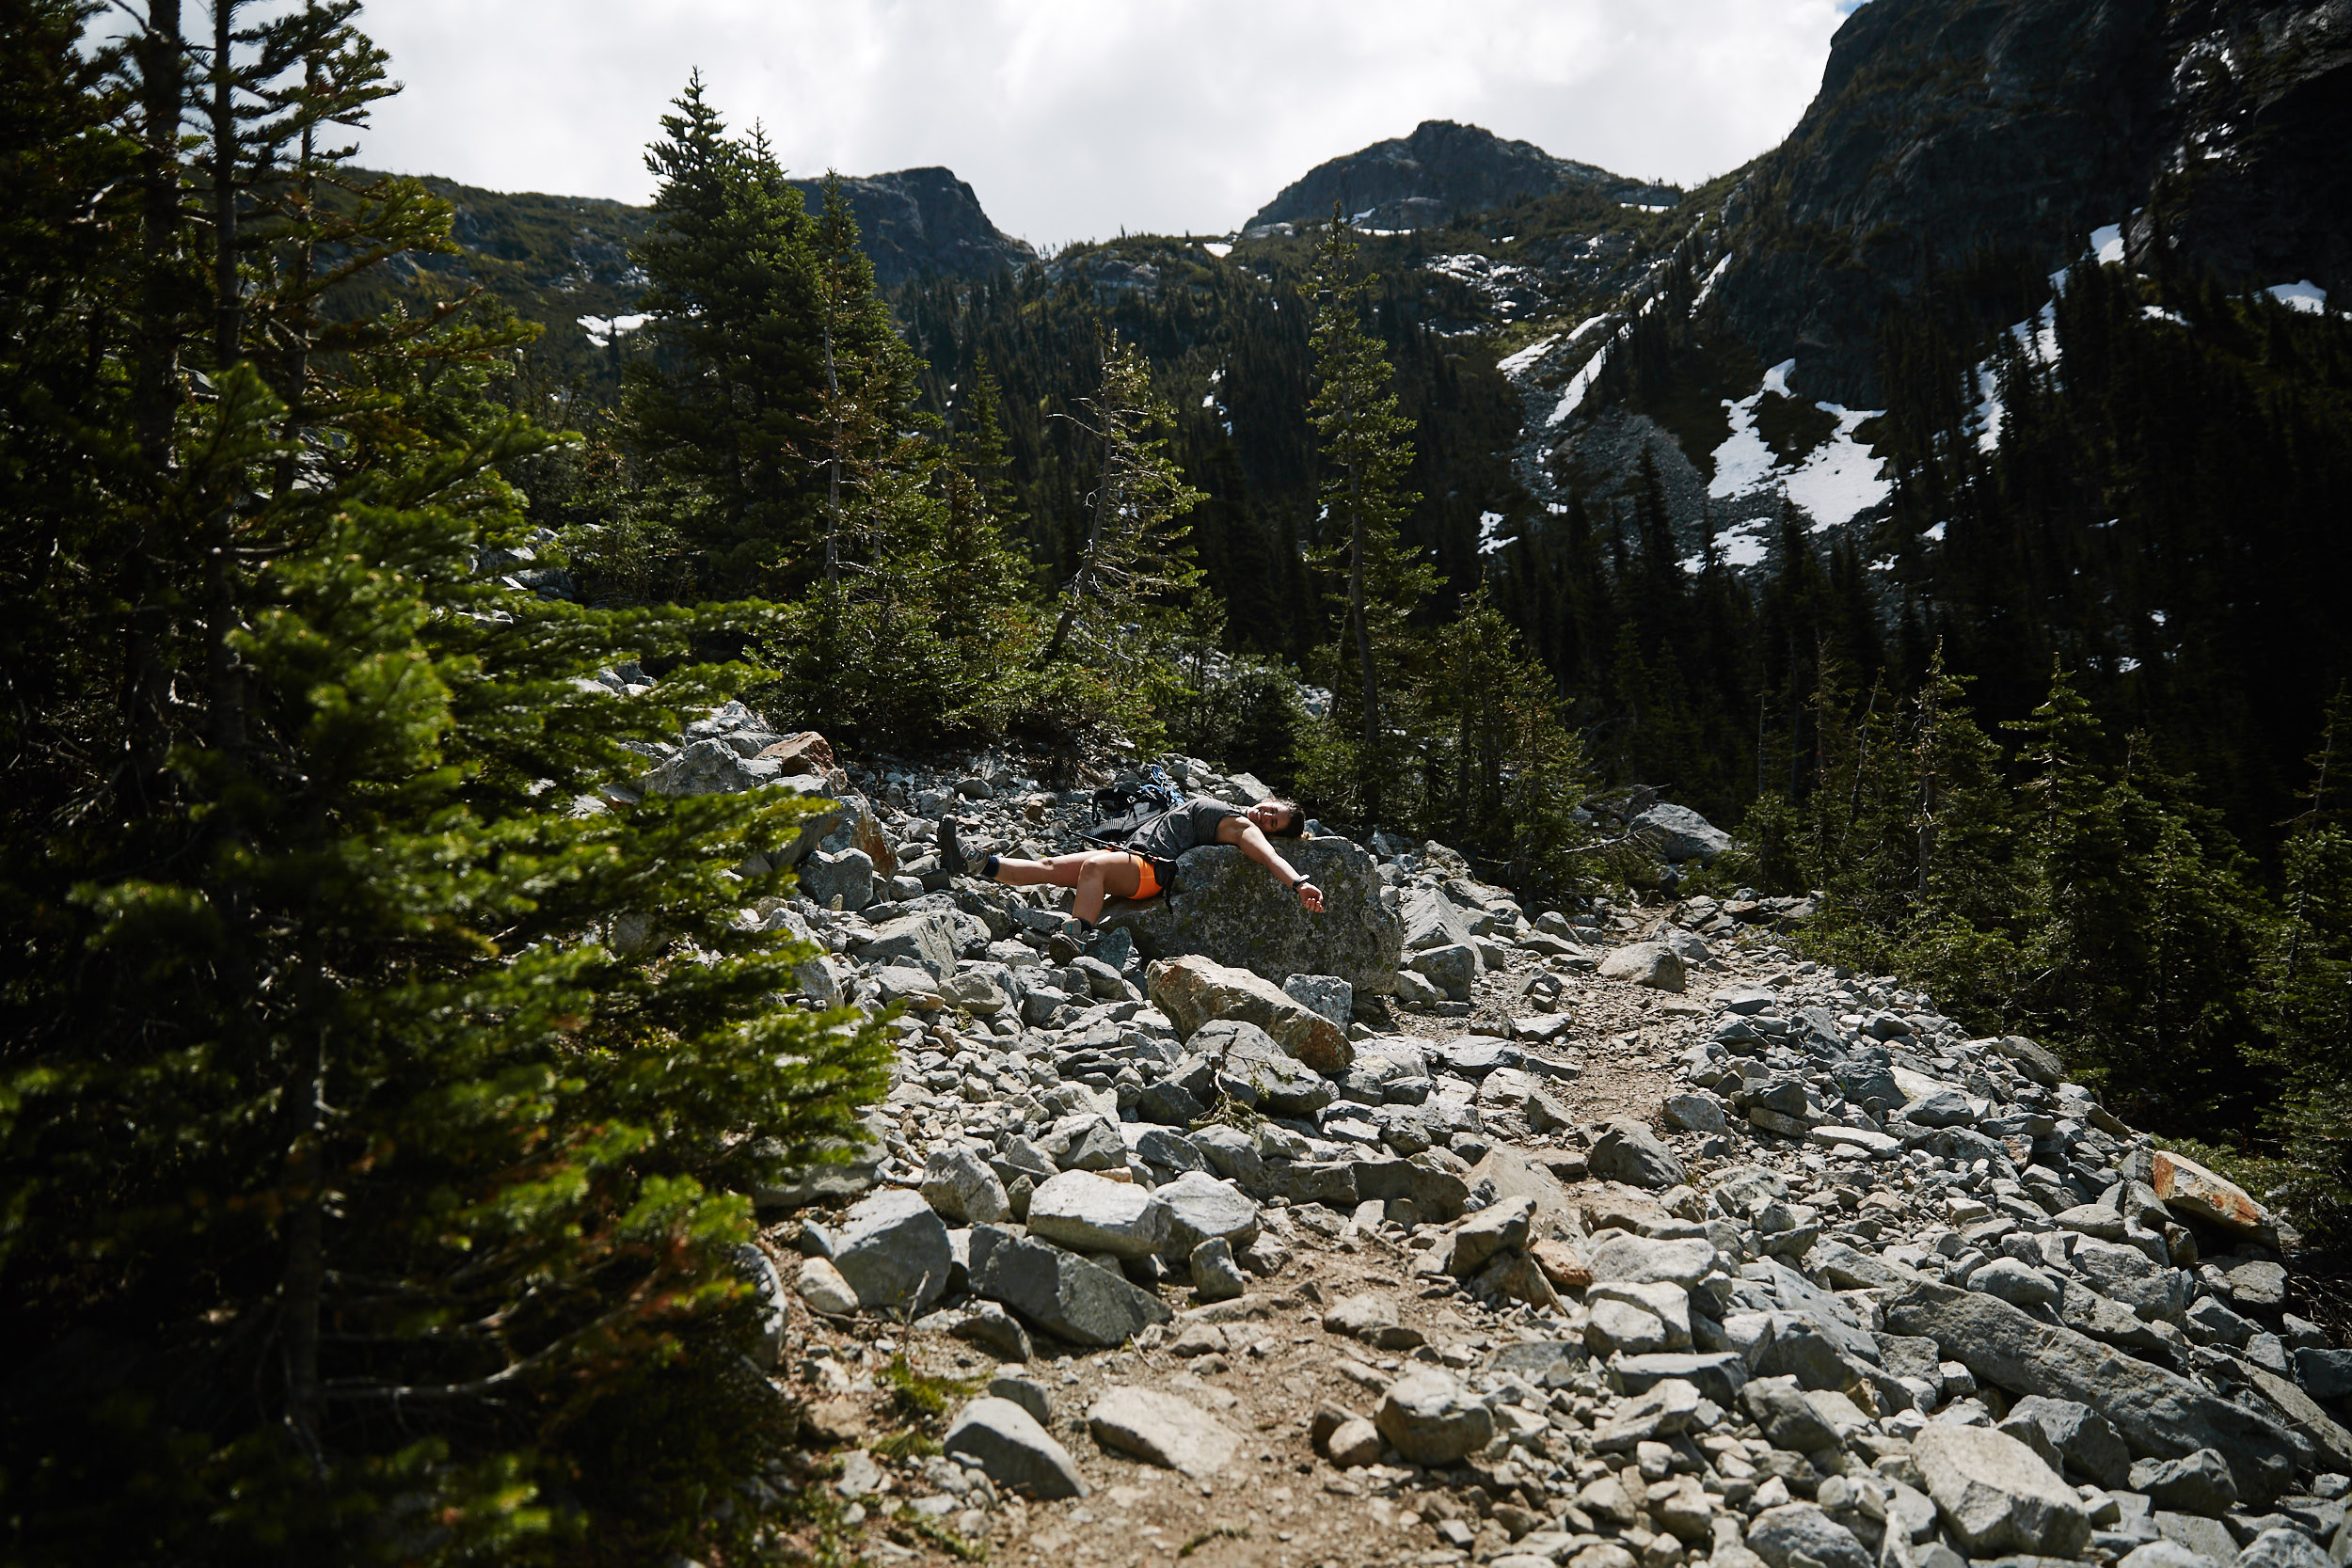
[[1362, 1317], [2282, 1548], [1161, 1429], [1013, 1449], [1354, 1443], [2014, 1282], [1432, 1419], [2200, 1483], [1027, 1392], [827, 1294], [1214, 1275], [1695, 1113], [2165, 1554], [994, 1330], [958, 1183], [1782, 1535], [1631, 1153]]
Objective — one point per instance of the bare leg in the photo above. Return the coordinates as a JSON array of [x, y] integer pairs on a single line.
[[1096, 874]]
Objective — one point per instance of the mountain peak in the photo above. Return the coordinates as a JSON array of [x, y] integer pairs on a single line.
[[1442, 170], [914, 222]]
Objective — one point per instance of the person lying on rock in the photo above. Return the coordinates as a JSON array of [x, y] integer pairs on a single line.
[[1145, 866]]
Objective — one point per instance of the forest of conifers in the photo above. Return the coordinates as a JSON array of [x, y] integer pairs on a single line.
[[372, 1204]]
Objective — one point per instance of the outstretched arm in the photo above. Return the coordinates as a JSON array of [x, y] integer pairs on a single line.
[[1251, 839]]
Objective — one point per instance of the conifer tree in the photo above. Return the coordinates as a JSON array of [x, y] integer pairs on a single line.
[[1136, 566], [1365, 452], [736, 315], [403, 1187]]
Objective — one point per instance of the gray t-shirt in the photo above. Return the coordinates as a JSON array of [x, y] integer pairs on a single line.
[[1180, 828]]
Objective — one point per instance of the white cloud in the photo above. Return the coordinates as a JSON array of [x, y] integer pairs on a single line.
[[1074, 118]]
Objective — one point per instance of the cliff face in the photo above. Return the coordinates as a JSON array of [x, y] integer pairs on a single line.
[[924, 221], [1442, 169], [2211, 132]]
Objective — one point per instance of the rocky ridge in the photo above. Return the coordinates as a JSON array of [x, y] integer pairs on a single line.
[[1609, 1237], [1440, 171]]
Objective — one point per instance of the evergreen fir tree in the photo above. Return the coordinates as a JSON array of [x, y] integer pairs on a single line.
[[372, 1194], [1365, 452]]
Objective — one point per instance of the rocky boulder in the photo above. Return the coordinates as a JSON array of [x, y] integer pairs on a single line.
[[1059, 1291], [1225, 908], [1432, 1419], [1088, 1212], [1997, 1495], [894, 1252], [1644, 963], [1162, 1429], [1252, 1069], [1680, 833], [1194, 991], [1012, 1449]]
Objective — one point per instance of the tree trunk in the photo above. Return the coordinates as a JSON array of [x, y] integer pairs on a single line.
[[306, 1256], [1363, 661], [1083, 583], [228, 303]]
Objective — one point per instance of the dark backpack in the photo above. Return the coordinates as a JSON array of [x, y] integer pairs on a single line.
[[1120, 809]]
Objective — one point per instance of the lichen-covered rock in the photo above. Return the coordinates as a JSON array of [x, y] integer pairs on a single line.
[[1226, 908]]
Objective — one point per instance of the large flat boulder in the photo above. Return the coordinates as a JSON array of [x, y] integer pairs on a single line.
[[2159, 1414], [1226, 908], [1013, 1449], [894, 1252], [1059, 1291], [1193, 990], [1162, 1429], [1997, 1495]]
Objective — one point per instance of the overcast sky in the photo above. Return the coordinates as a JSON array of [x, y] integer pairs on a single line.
[[1075, 119]]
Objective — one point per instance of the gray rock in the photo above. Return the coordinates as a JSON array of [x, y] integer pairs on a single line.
[[1780, 1411], [1695, 1113], [1328, 994], [1201, 1207], [2014, 1283], [1432, 1419], [958, 1183], [1631, 1153], [1667, 1410], [2326, 1375], [1168, 1151], [1027, 1392], [1012, 1449], [755, 1269], [1997, 1495], [2208, 1538], [1214, 1275], [1169, 1104], [1452, 969], [1255, 1069], [2258, 1287], [1718, 1375], [893, 1250], [843, 1169], [1781, 1536], [930, 941], [1432, 920], [848, 876], [1681, 833], [1162, 1429], [995, 1331], [1222, 906], [2281, 1548], [2198, 1482], [1092, 1214], [2157, 1412], [1640, 1260], [2089, 1444], [1941, 1108], [1059, 1291], [1644, 963], [2165, 1554], [2036, 1062], [821, 1286]]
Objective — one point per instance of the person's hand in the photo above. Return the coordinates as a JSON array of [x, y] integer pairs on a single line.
[[1311, 897]]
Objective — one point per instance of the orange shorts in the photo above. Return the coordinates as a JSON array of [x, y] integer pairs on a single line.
[[1146, 880]]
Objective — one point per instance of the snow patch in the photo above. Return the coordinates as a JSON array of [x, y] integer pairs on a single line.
[[1218, 248], [1511, 365], [1709, 286], [1490, 539], [2306, 295], [602, 330], [1833, 482], [1574, 396], [2106, 245]]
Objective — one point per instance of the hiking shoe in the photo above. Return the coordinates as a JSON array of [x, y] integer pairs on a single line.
[[1063, 947], [951, 855]]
